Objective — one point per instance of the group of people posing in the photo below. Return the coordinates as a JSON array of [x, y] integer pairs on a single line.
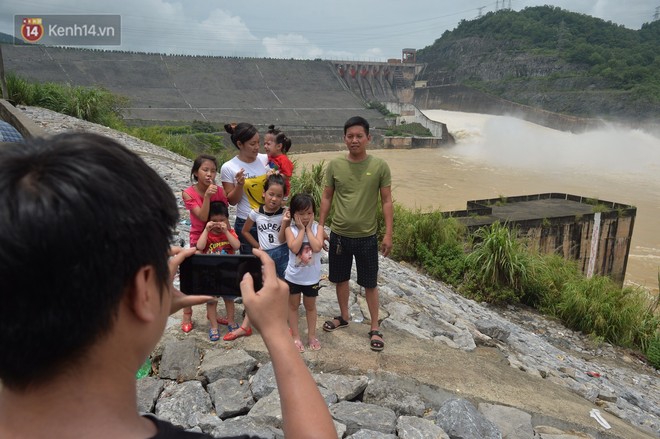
[[100, 266], [283, 225]]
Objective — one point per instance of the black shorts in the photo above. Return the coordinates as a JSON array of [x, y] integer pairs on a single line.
[[306, 290], [365, 251]]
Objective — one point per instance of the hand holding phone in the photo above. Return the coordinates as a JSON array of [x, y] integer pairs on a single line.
[[218, 275]]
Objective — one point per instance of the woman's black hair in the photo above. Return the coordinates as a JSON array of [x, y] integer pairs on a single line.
[[275, 179], [241, 132], [198, 164], [302, 201]]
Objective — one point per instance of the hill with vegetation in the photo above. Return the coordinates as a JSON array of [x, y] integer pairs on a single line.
[[553, 59]]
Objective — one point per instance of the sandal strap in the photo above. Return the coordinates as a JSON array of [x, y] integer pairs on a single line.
[[341, 320], [375, 332]]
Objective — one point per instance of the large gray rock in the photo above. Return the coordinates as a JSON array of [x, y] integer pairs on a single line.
[[370, 434], [230, 397], [412, 427], [357, 416], [268, 410], [182, 403], [148, 389], [384, 391], [493, 328], [512, 423], [345, 387], [263, 382], [461, 420], [180, 360], [245, 425], [231, 363]]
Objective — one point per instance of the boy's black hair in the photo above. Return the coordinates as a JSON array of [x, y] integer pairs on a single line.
[[275, 179], [357, 120], [198, 164], [218, 208], [79, 215], [301, 201], [241, 132]]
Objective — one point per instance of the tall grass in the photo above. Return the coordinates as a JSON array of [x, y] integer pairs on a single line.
[[312, 181], [498, 258], [598, 306], [93, 104]]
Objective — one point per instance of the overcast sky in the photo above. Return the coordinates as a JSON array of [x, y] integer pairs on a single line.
[[368, 30]]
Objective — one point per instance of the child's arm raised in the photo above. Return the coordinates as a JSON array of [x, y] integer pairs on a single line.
[[286, 222], [231, 235], [249, 222], [295, 242], [201, 242], [315, 240]]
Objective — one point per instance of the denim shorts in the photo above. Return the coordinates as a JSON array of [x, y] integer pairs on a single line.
[[280, 255], [246, 248]]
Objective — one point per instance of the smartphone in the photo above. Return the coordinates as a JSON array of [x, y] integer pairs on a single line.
[[218, 275]]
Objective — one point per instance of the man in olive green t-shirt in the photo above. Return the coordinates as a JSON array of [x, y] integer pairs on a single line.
[[354, 183]]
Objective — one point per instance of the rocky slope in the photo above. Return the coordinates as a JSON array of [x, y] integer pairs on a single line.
[[451, 367]]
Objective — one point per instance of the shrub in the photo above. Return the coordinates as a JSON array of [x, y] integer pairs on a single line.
[[311, 181], [498, 259], [653, 352], [598, 306], [93, 104], [547, 274], [430, 240]]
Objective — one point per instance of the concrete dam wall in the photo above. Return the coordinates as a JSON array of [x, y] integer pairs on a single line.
[[287, 93]]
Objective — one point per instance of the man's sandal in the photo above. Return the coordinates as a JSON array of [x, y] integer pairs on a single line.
[[330, 325], [376, 345]]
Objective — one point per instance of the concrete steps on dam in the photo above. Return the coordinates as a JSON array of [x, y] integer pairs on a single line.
[[184, 88]]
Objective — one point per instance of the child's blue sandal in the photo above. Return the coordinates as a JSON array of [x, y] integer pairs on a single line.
[[214, 334], [233, 327]]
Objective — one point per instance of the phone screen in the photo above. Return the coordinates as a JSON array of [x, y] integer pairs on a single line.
[[218, 275]]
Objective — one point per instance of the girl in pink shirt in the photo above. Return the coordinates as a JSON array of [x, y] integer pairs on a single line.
[[197, 199]]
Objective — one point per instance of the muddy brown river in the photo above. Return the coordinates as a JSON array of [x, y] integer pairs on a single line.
[[496, 155]]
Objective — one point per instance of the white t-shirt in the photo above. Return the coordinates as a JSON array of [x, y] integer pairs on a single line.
[[253, 189], [305, 267], [268, 227]]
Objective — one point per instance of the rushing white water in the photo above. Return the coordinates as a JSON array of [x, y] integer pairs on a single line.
[[498, 155]]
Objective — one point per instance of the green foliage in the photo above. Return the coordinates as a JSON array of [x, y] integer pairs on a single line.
[[199, 126], [653, 352], [381, 108], [431, 240], [409, 129], [183, 140], [598, 306], [310, 181], [626, 58], [498, 259], [93, 104]]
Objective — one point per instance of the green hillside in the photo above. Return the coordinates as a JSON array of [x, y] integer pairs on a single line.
[[554, 59]]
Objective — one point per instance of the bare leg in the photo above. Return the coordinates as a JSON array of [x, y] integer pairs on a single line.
[[231, 310], [312, 315], [343, 294], [372, 304], [294, 305], [212, 314], [187, 315]]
